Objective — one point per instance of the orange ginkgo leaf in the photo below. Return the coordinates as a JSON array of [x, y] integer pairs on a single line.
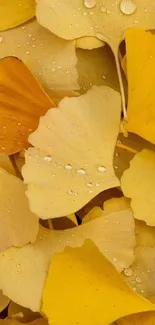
[[22, 102]]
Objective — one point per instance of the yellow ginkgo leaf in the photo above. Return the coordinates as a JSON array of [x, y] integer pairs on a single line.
[[141, 79], [83, 166], [116, 204], [105, 20], [138, 319], [104, 293], [4, 301], [18, 225], [145, 235], [13, 321], [141, 275], [5, 162], [31, 43], [96, 67], [19, 159], [89, 43], [21, 314], [23, 271], [137, 183], [16, 12]]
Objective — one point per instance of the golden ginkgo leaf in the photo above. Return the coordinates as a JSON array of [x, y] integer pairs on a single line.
[[104, 20], [83, 166], [5, 162], [16, 12], [141, 275], [103, 290], [89, 43], [141, 79], [22, 102], [19, 226], [31, 43], [23, 272], [138, 319], [137, 183], [4, 301], [145, 235], [13, 321]]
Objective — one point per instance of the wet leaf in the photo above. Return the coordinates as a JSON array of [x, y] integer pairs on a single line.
[[16, 12], [18, 225], [31, 43], [22, 102], [89, 43], [5, 162], [80, 168], [138, 319], [137, 183], [99, 283], [21, 314], [4, 301]]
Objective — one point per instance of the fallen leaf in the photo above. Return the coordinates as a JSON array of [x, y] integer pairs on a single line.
[[137, 183], [80, 168], [19, 159], [141, 275], [4, 301], [141, 78], [88, 43], [98, 281], [138, 319], [31, 43], [13, 321], [113, 234], [14, 13], [145, 235], [18, 225], [21, 314], [106, 21], [22, 102], [5, 162], [96, 67]]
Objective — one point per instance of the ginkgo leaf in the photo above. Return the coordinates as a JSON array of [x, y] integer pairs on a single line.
[[145, 235], [4, 301], [106, 21], [89, 43], [5, 162], [19, 159], [137, 183], [13, 321], [16, 12], [80, 168], [23, 271], [141, 275], [96, 67], [31, 43], [22, 102], [138, 319], [21, 314], [141, 79], [18, 225], [103, 291]]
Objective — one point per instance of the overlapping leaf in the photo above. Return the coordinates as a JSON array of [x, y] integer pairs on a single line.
[[18, 225], [97, 296], [72, 158], [4, 301]]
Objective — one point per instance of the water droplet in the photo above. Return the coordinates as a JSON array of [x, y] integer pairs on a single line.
[[103, 9], [108, 12], [90, 191], [97, 184], [142, 291], [33, 45], [3, 148], [116, 167], [128, 271], [18, 265], [128, 7], [59, 67], [116, 154], [138, 279], [148, 271], [103, 77], [89, 184], [114, 259], [145, 10], [70, 192], [100, 36], [30, 35], [90, 3], [27, 52], [47, 158], [53, 69], [101, 169], [1, 39], [84, 13], [68, 167], [19, 45], [81, 171], [134, 288], [23, 27], [70, 25], [4, 127]]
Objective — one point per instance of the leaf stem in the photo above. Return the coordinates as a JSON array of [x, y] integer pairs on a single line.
[[121, 86], [123, 146]]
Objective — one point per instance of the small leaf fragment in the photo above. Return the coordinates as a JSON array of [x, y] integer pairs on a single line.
[[4, 301], [99, 283], [138, 182]]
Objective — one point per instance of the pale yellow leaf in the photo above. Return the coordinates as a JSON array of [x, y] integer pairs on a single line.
[[19, 226], [106, 21], [88, 291], [141, 275], [145, 235], [16, 12], [138, 182], [4, 301], [23, 271], [96, 67], [56, 71], [88, 43], [73, 156]]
